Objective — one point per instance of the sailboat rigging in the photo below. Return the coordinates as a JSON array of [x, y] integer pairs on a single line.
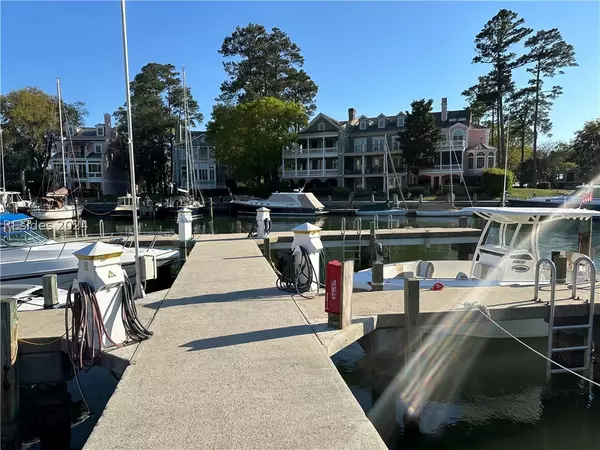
[[186, 198], [55, 205]]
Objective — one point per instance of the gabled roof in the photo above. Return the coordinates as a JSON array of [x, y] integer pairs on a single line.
[[319, 117], [464, 114], [481, 146]]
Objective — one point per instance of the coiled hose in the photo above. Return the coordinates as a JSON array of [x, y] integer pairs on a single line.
[[80, 332], [306, 271]]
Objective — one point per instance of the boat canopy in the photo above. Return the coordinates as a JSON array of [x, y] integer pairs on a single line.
[[529, 215], [52, 201], [308, 200], [62, 192], [7, 218]]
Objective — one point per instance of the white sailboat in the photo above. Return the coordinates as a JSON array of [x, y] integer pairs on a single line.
[[55, 205]]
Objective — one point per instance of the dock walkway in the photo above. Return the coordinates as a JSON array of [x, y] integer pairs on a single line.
[[233, 364]]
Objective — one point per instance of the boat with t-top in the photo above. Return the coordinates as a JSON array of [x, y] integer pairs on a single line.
[[506, 255]]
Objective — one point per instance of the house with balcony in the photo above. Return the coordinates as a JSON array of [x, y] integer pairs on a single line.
[[208, 173], [464, 149], [366, 142], [352, 153], [315, 157], [87, 162]]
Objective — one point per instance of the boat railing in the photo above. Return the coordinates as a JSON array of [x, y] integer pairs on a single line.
[[59, 246], [591, 273], [594, 251], [536, 288]]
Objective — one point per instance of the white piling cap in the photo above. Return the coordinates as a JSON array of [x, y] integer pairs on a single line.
[[263, 209], [184, 210], [99, 250], [306, 228]]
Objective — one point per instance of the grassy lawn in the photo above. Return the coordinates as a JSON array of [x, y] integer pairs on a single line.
[[530, 192]]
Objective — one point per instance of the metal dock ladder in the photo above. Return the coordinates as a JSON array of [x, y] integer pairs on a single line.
[[350, 250], [589, 326]]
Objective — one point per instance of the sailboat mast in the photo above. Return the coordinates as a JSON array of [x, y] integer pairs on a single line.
[[139, 291], [185, 132], [386, 173], [506, 160], [62, 139], [2, 153]]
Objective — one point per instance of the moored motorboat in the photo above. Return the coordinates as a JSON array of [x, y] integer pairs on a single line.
[[507, 254], [26, 255], [295, 203], [584, 197], [124, 208]]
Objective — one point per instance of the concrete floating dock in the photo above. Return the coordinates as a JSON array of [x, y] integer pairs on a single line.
[[233, 363]]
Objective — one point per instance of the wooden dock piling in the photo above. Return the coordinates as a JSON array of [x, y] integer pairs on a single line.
[[267, 248], [238, 226], [561, 268], [50, 288], [412, 340], [10, 376], [377, 276]]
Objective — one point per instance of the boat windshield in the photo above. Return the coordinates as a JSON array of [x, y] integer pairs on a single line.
[[513, 235], [21, 238]]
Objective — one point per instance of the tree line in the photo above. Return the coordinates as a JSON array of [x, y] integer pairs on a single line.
[[267, 97]]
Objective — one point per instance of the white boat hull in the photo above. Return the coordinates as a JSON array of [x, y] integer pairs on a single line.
[[27, 265], [65, 213], [383, 212], [444, 213]]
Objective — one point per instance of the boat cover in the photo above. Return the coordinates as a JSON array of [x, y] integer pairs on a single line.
[[6, 218], [62, 192], [309, 201]]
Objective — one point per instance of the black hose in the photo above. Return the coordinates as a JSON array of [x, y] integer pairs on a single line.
[[133, 327], [307, 271]]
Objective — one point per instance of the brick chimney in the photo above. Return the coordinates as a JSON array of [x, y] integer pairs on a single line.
[[444, 109], [107, 127], [351, 114]]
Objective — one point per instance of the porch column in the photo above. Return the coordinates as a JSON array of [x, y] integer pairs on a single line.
[[323, 166], [431, 181]]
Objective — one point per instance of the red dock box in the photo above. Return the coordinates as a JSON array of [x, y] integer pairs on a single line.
[[333, 284]]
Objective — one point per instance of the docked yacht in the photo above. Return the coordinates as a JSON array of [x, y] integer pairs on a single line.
[[170, 208], [26, 255], [12, 200], [506, 255], [124, 208], [578, 199], [295, 203]]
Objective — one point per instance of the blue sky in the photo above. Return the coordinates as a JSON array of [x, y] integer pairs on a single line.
[[373, 56]]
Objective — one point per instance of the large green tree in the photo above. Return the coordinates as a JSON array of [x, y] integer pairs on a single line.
[[420, 136], [157, 105], [249, 136], [30, 126], [261, 64], [548, 55], [586, 150], [493, 45], [553, 158]]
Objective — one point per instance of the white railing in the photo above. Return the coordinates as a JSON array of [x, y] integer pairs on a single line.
[[447, 166], [312, 172], [457, 146]]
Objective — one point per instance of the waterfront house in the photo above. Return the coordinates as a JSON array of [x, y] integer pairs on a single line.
[[87, 161], [351, 153]]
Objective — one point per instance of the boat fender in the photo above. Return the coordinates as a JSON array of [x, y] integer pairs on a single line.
[[437, 287], [267, 226]]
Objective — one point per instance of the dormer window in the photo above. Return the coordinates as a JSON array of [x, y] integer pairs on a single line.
[[321, 126], [381, 123], [363, 125], [100, 131], [400, 121]]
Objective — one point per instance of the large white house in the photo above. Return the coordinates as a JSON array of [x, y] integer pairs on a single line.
[[352, 153]]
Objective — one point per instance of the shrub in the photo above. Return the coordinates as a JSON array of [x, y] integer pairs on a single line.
[[321, 191], [543, 185], [416, 190], [341, 192], [460, 191], [492, 181], [362, 193]]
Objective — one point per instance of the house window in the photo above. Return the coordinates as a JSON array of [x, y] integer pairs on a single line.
[[360, 145], [321, 126], [363, 125], [458, 135], [381, 123], [289, 164], [211, 174], [470, 161], [97, 148], [100, 131], [378, 144], [480, 160], [400, 121], [491, 160]]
